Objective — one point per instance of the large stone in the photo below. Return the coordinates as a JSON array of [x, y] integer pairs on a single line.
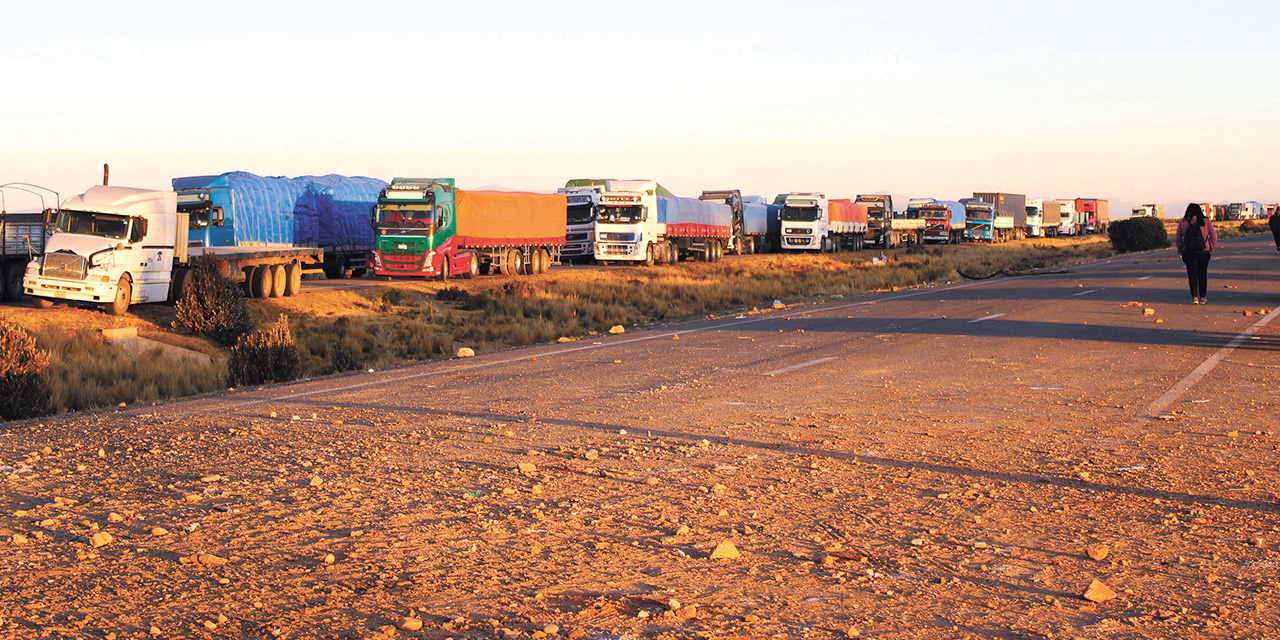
[[1098, 592], [101, 539], [466, 352], [725, 550], [1098, 552]]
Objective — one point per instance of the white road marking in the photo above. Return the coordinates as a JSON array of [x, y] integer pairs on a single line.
[[798, 366], [1176, 391], [1146, 277], [1085, 293], [994, 315]]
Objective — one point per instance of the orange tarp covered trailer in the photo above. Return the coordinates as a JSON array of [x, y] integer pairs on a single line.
[[510, 218]]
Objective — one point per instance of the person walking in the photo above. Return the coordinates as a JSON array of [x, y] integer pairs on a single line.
[[1196, 239], [1274, 223]]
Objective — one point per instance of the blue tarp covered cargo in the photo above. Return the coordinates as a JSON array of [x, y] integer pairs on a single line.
[[325, 211], [342, 207], [690, 217], [761, 219]]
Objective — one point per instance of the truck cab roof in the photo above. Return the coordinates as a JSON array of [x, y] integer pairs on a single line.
[[124, 201]]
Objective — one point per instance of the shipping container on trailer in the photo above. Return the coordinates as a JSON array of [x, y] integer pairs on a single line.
[[1010, 211]]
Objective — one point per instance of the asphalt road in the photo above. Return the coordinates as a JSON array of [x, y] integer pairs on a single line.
[[970, 440]]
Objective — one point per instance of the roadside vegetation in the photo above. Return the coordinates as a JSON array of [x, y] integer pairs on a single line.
[[324, 332]]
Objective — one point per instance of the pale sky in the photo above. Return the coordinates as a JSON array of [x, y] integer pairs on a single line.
[[1162, 101]]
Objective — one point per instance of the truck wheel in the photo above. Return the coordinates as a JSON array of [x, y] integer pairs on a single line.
[[292, 279], [279, 280], [124, 295], [515, 262], [473, 266], [337, 269], [544, 259], [259, 282], [5, 287], [13, 280], [673, 253], [648, 256], [446, 269], [718, 247], [178, 285], [41, 303]]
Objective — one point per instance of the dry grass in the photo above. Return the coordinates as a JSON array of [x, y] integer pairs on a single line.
[[85, 372]]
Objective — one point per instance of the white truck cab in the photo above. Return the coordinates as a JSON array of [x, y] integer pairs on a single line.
[[113, 246], [580, 222], [805, 226], [627, 227]]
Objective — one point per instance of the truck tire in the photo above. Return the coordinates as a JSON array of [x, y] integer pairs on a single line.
[[544, 261], [648, 256], [260, 282], [515, 262], [178, 285], [473, 266], [717, 248], [13, 280], [673, 253], [446, 269], [124, 295], [5, 287], [279, 280], [337, 268], [292, 279]]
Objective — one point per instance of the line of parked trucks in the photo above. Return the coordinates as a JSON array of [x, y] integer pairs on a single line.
[[114, 247]]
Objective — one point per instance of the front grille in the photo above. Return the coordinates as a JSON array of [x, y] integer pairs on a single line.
[[409, 257], [617, 249], [64, 265]]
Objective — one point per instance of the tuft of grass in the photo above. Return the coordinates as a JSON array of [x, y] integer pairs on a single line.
[[86, 372]]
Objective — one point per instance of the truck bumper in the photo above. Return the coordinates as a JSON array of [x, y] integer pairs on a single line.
[[617, 251], [799, 242], [69, 290]]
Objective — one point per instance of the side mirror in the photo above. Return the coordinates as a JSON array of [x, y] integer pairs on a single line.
[[217, 220], [50, 215]]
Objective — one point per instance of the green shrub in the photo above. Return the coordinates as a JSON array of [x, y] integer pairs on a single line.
[[1138, 234], [211, 304], [24, 388], [269, 355]]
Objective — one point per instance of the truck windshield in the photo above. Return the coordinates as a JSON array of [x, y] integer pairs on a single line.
[[799, 214], [875, 214], [404, 215], [624, 215], [87, 223], [984, 216], [581, 213], [932, 214]]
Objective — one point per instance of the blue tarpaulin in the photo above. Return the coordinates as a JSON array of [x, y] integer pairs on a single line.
[[761, 219], [324, 211]]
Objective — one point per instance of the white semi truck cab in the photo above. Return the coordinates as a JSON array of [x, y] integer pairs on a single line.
[[580, 222], [111, 246], [805, 226], [627, 227]]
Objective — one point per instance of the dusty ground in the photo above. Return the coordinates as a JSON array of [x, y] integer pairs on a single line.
[[937, 464]]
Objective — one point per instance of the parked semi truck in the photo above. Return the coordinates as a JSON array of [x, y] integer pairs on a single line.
[[22, 237], [1251, 210], [733, 199], [761, 225], [982, 223], [1007, 205], [811, 222], [1149, 211], [1093, 214], [884, 229], [241, 209], [583, 197], [115, 246], [640, 221], [1050, 215], [943, 219], [427, 227]]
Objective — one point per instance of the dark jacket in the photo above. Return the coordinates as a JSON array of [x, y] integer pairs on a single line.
[[1274, 222], [1210, 235]]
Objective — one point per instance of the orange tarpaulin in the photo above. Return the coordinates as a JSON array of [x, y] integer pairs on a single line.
[[505, 218], [843, 210]]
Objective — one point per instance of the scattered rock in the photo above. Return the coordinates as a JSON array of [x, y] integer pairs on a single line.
[[564, 339], [551, 629], [592, 454], [329, 558], [101, 539], [213, 478], [210, 560], [1148, 311], [527, 467], [465, 352], [1098, 592], [651, 481], [1098, 552], [718, 488], [725, 550], [114, 517], [617, 328], [409, 624], [18, 538], [159, 531], [316, 481]]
